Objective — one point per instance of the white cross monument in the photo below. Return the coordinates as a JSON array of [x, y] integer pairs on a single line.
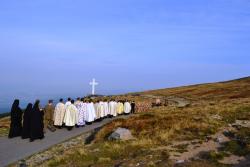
[[93, 83]]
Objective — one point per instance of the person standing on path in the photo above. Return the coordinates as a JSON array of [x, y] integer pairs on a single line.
[[16, 120], [59, 114], [37, 124], [71, 116], [127, 107], [27, 122], [133, 107], [49, 116]]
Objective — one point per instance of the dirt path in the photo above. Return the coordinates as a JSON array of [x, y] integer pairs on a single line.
[[12, 150]]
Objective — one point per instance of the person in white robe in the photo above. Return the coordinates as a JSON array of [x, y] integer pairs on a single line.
[[101, 109], [84, 107], [81, 107], [116, 111], [120, 108], [59, 114], [97, 112], [106, 108], [91, 114], [71, 116], [112, 108], [68, 102], [127, 107]]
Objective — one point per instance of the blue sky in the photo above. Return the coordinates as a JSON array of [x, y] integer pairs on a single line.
[[52, 48]]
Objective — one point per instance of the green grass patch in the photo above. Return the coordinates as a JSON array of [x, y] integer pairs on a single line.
[[236, 148]]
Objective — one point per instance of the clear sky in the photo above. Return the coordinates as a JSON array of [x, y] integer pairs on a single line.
[[51, 48]]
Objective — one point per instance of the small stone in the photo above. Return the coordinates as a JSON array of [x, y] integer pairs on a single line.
[[218, 117], [219, 140], [180, 161], [229, 134]]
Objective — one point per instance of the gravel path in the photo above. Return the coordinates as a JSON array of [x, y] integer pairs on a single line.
[[12, 150]]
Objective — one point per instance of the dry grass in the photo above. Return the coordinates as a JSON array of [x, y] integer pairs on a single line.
[[4, 126], [214, 91]]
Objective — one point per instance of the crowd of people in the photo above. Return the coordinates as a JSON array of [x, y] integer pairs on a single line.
[[34, 121]]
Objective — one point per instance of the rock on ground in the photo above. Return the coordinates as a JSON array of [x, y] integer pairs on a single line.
[[121, 134]]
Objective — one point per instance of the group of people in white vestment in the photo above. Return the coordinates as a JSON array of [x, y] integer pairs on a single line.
[[81, 112]]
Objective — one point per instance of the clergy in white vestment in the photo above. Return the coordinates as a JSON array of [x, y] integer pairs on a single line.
[[68, 102], [116, 111], [120, 108], [90, 115], [101, 109], [59, 113], [106, 108], [97, 113], [112, 108], [71, 116], [127, 107], [84, 106], [81, 107]]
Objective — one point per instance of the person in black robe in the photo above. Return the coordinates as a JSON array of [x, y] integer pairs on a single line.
[[27, 122], [36, 131], [16, 120], [132, 107]]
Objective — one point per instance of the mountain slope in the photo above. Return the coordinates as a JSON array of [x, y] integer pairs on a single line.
[[239, 88]]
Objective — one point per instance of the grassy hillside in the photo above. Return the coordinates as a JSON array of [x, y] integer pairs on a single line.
[[213, 91], [167, 134]]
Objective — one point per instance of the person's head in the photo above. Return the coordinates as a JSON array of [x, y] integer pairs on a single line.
[[50, 101], [37, 103], [29, 106], [69, 99], [82, 99], [15, 103], [78, 98], [61, 100], [72, 101]]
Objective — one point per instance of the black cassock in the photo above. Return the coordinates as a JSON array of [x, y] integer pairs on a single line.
[[36, 130], [133, 107], [16, 120], [27, 122]]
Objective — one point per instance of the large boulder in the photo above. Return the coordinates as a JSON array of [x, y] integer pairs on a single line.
[[121, 134]]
